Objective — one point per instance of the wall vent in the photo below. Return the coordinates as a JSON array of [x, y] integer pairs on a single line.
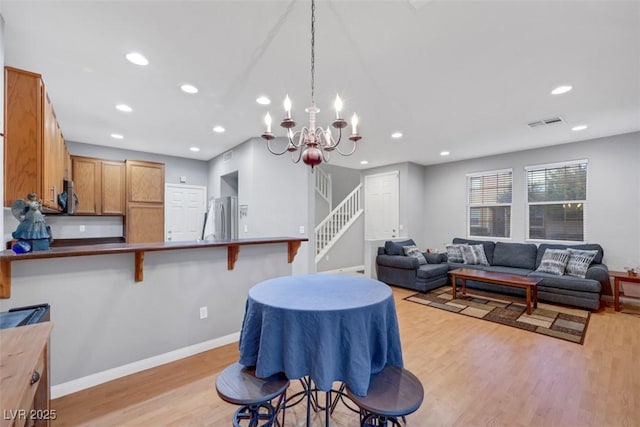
[[227, 156], [546, 122]]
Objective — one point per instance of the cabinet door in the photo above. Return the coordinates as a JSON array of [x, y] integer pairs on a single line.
[[86, 180], [145, 223], [113, 180], [145, 182], [23, 135]]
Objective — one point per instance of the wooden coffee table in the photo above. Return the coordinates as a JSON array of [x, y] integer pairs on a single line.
[[529, 284], [621, 276]]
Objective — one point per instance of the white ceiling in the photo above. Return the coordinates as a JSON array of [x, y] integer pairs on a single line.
[[465, 77]]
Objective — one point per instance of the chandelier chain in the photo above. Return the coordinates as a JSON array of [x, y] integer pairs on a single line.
[[313, 54]]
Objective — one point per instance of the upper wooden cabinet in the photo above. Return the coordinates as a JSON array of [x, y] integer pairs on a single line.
[[100, 186], [145, 202], [36, 158]]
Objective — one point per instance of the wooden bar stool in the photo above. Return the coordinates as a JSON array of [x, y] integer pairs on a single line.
[[239, 385], [393, 393]]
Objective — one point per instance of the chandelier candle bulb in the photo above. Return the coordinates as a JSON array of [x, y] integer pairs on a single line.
[[354, 124], [287, 106], [267, 121], [338, 106]]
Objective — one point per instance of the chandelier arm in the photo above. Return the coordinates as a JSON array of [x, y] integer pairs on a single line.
[[275, 152], [350, 152], [293, 159]]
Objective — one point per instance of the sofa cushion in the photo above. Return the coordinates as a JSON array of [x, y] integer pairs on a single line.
[[454, 253], [488, 246], [585, 247], [551, 281], [395, 248], [428, 271], [554, 261], [520, 255], [414, 252], [397, 261], [508, 270], [579, 262], [435, 258], [474, 255]]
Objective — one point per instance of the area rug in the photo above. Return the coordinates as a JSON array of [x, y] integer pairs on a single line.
[[555, 321]]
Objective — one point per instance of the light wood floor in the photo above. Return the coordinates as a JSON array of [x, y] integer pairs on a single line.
[[474, 372]]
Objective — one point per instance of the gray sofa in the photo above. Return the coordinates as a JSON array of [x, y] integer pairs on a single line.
[[394, 268]]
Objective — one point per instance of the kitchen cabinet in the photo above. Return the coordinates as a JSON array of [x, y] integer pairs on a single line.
[[36, 158], [100, 186], [144, 221], [24, 385]]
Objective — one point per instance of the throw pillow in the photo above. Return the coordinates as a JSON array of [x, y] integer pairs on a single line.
[[414, 252], [579, 261], [395, 248], [473, 255], [554, 261], [454, 253]]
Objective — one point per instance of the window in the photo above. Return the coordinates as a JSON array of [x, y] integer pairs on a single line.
[[556, 196], [489, 203]]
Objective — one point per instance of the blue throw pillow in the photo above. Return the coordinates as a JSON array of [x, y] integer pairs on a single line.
[[395, 248]]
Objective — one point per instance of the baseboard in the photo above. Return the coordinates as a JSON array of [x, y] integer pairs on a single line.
[[98, 378], [353, 269], [623, 300]]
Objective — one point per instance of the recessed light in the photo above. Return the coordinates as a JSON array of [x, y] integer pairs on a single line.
[[263, 100], [116, 136], [137, 58], [396, 135], [444, 153], [187, 88], [561, 89], [218, 129], [364, 162], [124, 107], [194, 149], [579, 127]]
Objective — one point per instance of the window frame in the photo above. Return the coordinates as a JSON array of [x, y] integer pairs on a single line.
[[528, 204], [469, 205]]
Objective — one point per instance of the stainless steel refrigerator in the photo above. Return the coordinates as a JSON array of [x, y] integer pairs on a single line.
[[226, 218]]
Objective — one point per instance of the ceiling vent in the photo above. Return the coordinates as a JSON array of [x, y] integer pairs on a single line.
[[546, 122], [227, 156]]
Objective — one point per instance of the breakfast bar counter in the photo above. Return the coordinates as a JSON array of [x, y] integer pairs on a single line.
[[232, 245]]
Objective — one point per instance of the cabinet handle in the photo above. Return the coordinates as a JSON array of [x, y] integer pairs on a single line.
[[35, 377]]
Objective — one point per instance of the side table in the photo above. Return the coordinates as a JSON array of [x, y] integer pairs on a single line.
[[621, 276]]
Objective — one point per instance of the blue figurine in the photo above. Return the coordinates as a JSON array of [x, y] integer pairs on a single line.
[[32, 228]]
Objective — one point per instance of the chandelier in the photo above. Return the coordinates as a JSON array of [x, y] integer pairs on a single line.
[[312, 144]]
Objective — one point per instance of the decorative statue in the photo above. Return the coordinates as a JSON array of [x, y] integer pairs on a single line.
[[32, 233]]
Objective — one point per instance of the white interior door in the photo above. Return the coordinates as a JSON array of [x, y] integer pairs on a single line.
[[184, 206], [381, 205]]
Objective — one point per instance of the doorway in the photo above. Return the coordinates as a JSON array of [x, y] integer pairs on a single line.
[[185, 206], [381, 205]]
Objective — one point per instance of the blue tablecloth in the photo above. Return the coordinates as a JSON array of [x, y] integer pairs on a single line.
[[329, 327]]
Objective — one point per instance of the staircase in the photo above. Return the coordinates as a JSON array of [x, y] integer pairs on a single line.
[[323, 185], [337, 222]]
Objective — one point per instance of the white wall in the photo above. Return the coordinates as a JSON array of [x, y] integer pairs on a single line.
[[613, 206], [280, 196]]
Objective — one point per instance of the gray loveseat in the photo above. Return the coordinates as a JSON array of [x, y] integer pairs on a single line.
[[514, 258]]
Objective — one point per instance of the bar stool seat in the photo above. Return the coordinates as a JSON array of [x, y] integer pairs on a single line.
[[239, 385], [393, 393]]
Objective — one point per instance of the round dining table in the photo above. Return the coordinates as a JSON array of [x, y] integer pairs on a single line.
[[326, 327]]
